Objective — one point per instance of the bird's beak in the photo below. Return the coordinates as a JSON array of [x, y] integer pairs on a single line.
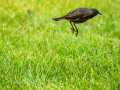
[[100, 13]]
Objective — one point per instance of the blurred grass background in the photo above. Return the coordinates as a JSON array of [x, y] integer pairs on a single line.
[[38, 53]]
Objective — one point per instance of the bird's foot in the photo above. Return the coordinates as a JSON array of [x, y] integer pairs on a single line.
[[72, 30], [76, 33]]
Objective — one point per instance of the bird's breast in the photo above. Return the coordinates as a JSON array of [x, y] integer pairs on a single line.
[[78, 20]]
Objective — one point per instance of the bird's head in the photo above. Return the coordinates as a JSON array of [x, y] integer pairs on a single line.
[[95, 11]]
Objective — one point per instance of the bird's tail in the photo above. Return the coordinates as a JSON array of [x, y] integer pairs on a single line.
[[60, 18]]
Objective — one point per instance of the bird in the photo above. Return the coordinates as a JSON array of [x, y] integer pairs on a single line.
[[79, 15]]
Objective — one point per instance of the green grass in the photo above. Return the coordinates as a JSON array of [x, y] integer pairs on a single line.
[[38, 53]]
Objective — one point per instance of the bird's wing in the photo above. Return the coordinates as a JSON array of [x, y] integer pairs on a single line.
[[80, 13]]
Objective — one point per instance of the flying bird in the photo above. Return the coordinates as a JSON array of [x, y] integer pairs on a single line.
[[79, 15]]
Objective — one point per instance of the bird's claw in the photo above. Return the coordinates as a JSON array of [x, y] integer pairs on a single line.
[[76, 33], [73, 30]]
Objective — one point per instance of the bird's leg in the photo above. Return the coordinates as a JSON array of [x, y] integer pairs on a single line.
[[72, 27], [76, 30]]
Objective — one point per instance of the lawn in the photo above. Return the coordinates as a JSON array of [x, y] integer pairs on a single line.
[[38, 53]]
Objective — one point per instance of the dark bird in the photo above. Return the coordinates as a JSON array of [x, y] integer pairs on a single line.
[[79, 15]]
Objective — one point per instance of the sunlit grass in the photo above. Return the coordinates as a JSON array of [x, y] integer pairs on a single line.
[[39, 53]]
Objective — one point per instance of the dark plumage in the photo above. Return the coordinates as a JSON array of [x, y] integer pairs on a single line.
[[79, 15]]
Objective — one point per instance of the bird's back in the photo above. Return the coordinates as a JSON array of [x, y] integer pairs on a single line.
[[79, 15]]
